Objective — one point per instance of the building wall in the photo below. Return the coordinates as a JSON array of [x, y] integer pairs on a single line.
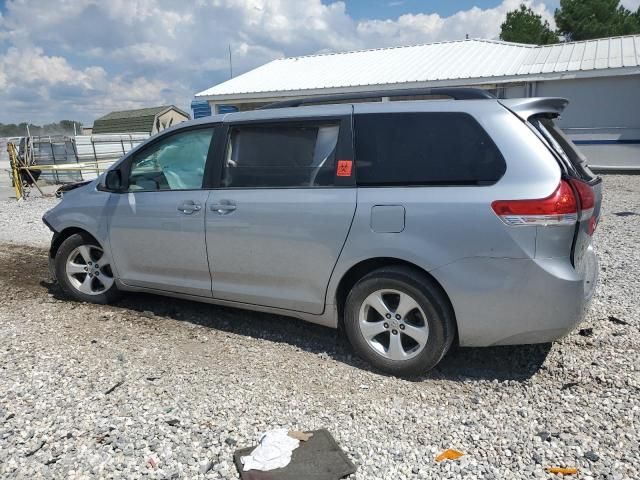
[[603, 117], [167, 119]]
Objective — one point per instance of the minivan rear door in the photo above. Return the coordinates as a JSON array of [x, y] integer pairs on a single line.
[[277, 221], [587, 186], [540, 113]]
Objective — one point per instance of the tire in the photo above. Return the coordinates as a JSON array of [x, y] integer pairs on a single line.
[[414, 341], [84, 271]]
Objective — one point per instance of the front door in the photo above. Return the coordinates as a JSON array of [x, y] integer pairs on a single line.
[[157, 228], [277, 224]]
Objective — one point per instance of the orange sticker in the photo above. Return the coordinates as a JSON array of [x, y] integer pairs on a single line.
[[344, 168]]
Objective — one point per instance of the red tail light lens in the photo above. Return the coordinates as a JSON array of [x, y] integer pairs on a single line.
[[559, 208], [587, 203], [586, 194]]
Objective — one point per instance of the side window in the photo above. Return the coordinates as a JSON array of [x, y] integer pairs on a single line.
[[174, 163], [427, 148], [287, 155]]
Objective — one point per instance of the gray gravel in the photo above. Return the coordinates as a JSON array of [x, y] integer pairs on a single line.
[[168, 389], [21, 222]]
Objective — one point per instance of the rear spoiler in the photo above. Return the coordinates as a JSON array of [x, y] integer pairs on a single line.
[[526, 107]]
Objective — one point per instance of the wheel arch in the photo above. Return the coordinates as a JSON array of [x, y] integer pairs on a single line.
[[66, 233], [364, 267]]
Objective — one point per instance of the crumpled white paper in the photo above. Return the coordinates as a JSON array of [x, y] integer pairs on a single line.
[[274, 451]]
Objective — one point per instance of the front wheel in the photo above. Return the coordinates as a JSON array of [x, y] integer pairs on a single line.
[[399, 320], [84, 271]]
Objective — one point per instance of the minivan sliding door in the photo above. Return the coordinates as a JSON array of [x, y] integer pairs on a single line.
[[277, 223]]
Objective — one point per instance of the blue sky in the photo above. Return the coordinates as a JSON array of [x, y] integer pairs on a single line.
[[79, 59], [381, 9]]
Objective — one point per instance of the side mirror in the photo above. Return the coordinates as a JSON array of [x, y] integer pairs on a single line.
[[111, 182]]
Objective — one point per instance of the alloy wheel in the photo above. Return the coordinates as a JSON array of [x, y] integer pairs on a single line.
[[88, 270], [393, 324]]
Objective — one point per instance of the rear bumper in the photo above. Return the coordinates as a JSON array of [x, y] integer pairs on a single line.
[[502, 301]]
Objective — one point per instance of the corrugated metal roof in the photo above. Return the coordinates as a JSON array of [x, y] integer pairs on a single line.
[[434, 62]]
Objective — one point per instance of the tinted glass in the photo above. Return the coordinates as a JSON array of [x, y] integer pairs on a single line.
[[563, 146], [281, 156], [424, 149], [174, 163]]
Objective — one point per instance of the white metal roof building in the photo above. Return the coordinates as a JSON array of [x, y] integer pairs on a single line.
[[600, 77]]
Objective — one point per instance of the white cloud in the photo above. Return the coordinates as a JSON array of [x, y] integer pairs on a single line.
[[423, 28], [82, 58]]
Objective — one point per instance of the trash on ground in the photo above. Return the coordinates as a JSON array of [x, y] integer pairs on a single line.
[[585, 332], [274, 451], [302, 436], [563, 470], [617, 321], [449, 455], [569, 385], [319, 457]]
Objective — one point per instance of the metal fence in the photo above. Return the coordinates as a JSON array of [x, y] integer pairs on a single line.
[[64, 159]]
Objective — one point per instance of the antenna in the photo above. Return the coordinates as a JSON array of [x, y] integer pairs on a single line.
[[230, 63]]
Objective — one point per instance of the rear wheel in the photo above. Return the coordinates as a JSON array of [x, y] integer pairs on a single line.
[[399, 320], [84, 271]]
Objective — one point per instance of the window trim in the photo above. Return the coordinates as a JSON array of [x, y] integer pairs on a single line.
[[125, 167], [344, 148], [435, 183]]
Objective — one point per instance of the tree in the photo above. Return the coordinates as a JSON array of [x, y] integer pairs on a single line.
[[526, 26], [587, 19], [64, 127]]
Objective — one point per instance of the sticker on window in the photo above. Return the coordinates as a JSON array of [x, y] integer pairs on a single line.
[[344, 168]]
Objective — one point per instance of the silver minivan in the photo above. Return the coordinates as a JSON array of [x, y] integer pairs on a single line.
[[409, 224]]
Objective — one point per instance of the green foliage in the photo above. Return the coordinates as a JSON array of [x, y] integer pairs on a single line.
[[525, 26], [587, 19], [64, 127]]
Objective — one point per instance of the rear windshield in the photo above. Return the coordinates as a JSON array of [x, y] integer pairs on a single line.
[[426, 148], [563, 147]]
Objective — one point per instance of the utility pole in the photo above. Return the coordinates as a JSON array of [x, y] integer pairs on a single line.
[[230, 63]]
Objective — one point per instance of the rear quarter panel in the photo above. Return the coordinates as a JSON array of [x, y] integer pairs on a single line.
[[446, 224]]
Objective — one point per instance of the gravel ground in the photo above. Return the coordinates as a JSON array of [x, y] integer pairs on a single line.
[[21, 222], [169, 389]]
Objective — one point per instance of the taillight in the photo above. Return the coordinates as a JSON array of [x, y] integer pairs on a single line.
[[587, 203], [559, 208]]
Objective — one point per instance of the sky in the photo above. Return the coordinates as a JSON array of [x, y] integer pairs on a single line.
[[80, 59]]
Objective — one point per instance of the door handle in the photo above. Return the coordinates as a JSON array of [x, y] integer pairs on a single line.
[[222, 208], [189, 206]]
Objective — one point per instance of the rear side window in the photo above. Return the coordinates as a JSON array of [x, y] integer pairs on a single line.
[[439, 148], [564, 147], [301, 155]]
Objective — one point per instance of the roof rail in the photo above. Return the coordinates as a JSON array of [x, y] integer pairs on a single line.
[[456, 93]]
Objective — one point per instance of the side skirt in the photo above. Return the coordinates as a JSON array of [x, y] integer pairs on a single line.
[[328, 319]]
